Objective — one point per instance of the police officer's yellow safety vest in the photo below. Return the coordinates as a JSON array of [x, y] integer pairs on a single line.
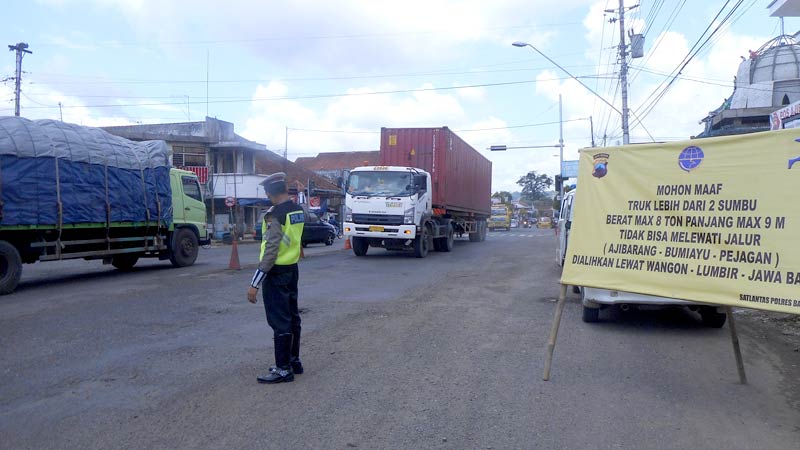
[[289, 248]]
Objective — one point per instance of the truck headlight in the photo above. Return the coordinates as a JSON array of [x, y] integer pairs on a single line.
[[408, 216], [348, 214]]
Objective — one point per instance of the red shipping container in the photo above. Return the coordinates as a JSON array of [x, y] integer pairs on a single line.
[[461, 177]]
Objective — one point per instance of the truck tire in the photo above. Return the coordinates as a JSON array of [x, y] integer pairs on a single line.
[[360, 246], [591, 315], [712, 318], [10, 268], [125, 261], [482, 228], [421, 244], [476, 236], [446, 243], [184, 248]]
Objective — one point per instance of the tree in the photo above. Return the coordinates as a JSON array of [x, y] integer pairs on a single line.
[[534, 185], [504, 196]]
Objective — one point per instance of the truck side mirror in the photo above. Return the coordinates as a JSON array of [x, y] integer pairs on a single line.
[[421, 183], [568, 224]]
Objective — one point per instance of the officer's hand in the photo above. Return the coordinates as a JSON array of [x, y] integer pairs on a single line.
[[251, 294]]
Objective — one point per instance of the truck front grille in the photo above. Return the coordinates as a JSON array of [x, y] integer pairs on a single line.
[[377, 219]]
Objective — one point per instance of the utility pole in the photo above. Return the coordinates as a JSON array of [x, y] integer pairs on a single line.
[[591, 129], [623, 73], [21, 48], [560, 149]]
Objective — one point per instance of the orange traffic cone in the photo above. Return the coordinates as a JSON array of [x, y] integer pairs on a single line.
[[234, 264], [347, 245]]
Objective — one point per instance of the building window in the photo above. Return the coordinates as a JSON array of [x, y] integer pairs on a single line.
[[188, 156], [249, 163]]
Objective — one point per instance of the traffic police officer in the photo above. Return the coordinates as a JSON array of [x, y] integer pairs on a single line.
[[281, 231]]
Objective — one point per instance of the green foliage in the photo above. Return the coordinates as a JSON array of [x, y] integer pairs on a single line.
[[534, 186], [504, 196]]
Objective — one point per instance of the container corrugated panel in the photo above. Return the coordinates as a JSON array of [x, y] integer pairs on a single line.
[[461, 177]]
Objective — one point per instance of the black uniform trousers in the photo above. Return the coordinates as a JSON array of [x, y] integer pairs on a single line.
[[280, 303]]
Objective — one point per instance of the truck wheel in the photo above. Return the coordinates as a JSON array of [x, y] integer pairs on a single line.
[[476, 236], [360, 246], [446, 243], [482, 228], [184, 248], [712, 318], [125, 261], [421, 247], [591, 315], [10, 268]]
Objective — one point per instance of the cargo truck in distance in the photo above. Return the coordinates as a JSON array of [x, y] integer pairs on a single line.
[[500, 218], [430, 188], [77, 192]]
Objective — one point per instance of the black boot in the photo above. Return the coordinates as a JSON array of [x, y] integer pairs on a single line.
[[297, 366], [283, 368]]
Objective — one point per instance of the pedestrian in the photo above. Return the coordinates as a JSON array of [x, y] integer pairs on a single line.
[[277, 273]]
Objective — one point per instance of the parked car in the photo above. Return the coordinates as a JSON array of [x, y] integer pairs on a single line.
[[315, 231], [594, 299], [514, 223]]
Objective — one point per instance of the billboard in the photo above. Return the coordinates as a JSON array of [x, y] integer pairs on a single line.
[[710, 220]]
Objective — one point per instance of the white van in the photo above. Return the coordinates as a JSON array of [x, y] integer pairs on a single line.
[[593, 299]]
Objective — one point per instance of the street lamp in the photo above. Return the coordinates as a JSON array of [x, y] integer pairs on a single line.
[[525, 44]]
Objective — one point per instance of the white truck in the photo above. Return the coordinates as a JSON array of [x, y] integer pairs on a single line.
[[443, 193]]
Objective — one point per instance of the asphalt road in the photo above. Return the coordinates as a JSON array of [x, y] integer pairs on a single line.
[[444, 352]]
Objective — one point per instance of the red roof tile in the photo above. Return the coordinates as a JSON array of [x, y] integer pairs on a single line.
[[296, 176], [340, 160]]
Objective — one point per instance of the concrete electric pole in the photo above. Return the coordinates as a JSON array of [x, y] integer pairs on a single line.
[[623, 74], [21, 48]]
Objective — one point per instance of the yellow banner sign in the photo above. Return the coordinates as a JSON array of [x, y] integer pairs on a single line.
[[710, 220]]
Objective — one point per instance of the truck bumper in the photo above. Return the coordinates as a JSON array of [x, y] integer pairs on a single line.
[[593, 297], [373, 231]]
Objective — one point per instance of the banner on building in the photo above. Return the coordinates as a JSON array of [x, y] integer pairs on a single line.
[[710, 220]]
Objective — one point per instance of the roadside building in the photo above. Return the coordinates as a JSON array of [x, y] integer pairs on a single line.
[[768, 79], [227, 165], [336, 167]]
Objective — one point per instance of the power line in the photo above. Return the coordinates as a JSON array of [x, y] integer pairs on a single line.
[[96, 81], [317, 96], [659, 92], [115, 44], [507, 127]]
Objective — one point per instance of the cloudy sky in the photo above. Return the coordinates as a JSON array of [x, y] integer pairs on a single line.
[[334, 72]]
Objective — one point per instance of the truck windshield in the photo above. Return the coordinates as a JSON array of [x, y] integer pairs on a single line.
[[499, 212], [384, 184]]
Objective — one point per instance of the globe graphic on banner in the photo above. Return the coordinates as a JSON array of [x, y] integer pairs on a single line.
[[690, 158]]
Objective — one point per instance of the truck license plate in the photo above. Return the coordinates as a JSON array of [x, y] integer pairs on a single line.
[[375, 228]]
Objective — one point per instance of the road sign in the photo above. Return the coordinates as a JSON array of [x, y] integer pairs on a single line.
[[230, 202], [569, 169]]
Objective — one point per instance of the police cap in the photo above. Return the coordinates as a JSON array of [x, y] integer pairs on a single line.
[[278, 177]]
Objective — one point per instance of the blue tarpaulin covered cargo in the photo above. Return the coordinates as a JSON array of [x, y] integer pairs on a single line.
[[97, 177]]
